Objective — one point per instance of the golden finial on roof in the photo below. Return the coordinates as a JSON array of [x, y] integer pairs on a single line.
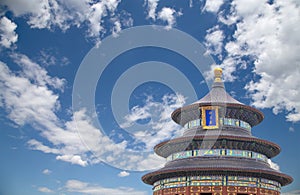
[[218, 74]]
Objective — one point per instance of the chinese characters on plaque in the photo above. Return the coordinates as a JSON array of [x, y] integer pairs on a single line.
[[210, 117]]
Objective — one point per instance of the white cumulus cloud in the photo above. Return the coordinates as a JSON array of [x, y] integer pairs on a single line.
[[272, 36], [97, 11], [73, 159], [117, 28], [25, 101], [8, 35], [266, 34], [214, 41], [63, 14], [168, 15], [161, 126], [123, 174], [47, 172], [213, 6], [45, 190], [29, 97], [291, 129], [151, 8], [35, 73]]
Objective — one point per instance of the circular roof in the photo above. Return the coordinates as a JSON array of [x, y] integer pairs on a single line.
[[217, 97], [254, 144], [219, 166]]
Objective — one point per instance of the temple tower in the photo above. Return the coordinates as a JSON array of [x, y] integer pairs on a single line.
[[217, 153]]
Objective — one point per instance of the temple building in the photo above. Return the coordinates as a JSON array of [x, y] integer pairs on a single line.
[[217, 154]]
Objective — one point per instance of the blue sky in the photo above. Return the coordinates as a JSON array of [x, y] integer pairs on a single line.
[[87, 87]]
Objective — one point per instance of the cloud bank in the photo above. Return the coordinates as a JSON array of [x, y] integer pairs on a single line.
[[266, 34]]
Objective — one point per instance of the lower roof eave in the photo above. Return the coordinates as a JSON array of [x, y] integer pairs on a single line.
[[152, 177]]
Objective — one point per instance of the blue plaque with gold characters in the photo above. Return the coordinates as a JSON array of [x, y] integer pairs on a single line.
[[210, 117]]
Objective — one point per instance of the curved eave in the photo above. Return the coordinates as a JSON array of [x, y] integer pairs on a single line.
[[152, 177], [162, 148], [189, 109]]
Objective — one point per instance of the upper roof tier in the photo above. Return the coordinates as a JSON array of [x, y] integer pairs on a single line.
[[218, 93], [218, 96]]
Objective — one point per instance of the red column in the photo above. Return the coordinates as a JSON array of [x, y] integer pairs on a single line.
[[224, 190], [188, 190]]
